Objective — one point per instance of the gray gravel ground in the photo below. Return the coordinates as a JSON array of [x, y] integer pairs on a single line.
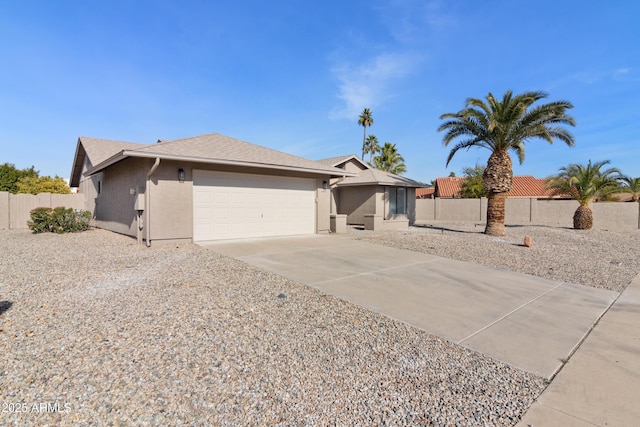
[[108, 332], [598, 258]]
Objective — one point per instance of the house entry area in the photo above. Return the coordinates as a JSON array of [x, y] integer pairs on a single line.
[[236, 205]]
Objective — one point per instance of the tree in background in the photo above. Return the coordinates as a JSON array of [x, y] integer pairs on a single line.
[[471, 187], [371, 146], [29, 181], [501, 126], [9, 176], [631, 185], [389, 160], [365, 120], [584, 184], [43, 184]]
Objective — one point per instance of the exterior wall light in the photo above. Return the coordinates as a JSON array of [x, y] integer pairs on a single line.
[[181, 175], [325, 185]]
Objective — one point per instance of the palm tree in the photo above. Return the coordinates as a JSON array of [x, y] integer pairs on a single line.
[[371, 146], [631, 185], [501, 126], [365, 120], [390, 160], [584, 184]]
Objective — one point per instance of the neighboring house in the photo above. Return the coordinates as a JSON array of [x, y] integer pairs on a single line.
[[207, 187], [425, 193], [522, 186], [374, 198]]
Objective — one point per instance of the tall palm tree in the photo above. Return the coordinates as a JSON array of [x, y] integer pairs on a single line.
[[584, 184], [365, 120], [371, 146], [501, 126], [390, 160], [631, 185]]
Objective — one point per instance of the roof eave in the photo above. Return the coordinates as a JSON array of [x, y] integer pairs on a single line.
[[381, 183], [127, 153]]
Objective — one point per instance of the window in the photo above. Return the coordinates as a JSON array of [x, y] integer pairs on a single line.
[[397, 200]]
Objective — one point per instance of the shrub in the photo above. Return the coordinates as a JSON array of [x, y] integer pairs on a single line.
[[59, 220]]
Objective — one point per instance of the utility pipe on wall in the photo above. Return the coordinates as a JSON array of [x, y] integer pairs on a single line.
[[147, 200]]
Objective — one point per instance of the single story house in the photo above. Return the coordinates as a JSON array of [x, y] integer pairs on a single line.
[[207, 187], [367, 196]]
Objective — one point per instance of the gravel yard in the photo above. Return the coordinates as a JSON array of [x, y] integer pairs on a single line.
[[598, 258], [99, 330]]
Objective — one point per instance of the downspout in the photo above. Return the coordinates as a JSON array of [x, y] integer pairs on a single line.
[[147, 200]]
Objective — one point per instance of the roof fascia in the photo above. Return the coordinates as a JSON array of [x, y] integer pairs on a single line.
[[382, 183], [75, 166], [352, 157], [128, 153]]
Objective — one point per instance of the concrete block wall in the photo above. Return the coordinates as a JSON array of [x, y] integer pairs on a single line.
[[15, 209], [617, 216]]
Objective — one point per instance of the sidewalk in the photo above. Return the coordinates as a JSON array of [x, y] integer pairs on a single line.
[[600, 385]]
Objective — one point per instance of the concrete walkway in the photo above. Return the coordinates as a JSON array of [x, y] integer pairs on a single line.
[[528, 322], [600, 386]]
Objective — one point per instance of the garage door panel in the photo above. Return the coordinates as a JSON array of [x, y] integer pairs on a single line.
[[231, 205]]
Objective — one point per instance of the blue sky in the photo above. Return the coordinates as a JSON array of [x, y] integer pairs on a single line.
[[294, 75]]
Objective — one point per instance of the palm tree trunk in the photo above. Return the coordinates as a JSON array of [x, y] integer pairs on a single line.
[[364, 141], [495, 214], [583, 218]]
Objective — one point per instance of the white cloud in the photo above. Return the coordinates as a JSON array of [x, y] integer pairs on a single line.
[[369, 84]]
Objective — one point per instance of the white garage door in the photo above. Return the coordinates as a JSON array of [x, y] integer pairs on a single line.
[[234, 205]]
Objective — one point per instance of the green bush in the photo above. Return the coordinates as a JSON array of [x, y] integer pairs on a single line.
[[58, 220]]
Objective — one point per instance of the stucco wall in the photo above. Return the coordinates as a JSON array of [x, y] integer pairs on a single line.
[[119, 186], [170, 201], [88, 187], [352, 166], [519, 211], [323, 207], [4, 210], [15, 209], [356, 202]]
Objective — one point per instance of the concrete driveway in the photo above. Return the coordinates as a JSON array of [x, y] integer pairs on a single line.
[[528, 322]]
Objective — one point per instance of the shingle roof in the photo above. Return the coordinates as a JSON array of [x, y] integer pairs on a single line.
[[219, 149], [369, 176], [335, 161], [378, 177], [97, 150], [523, 186]]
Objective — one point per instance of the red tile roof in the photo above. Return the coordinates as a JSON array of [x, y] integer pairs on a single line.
[[425, 193], [523, 186]]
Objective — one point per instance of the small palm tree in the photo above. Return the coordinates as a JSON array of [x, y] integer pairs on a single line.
[[390, 160], [365, 120], [584, 184], [502, 126], [371, 146], [631, 185]]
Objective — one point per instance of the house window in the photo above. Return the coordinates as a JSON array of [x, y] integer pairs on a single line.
[[397, 200]]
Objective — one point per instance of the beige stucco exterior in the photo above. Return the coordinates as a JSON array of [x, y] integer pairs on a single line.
[[169, 201], [362, 201]]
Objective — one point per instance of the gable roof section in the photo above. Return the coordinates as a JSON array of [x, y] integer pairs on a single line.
[[97, 151], [523, 186], [214, 148], [378, 177], [341, 160]]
